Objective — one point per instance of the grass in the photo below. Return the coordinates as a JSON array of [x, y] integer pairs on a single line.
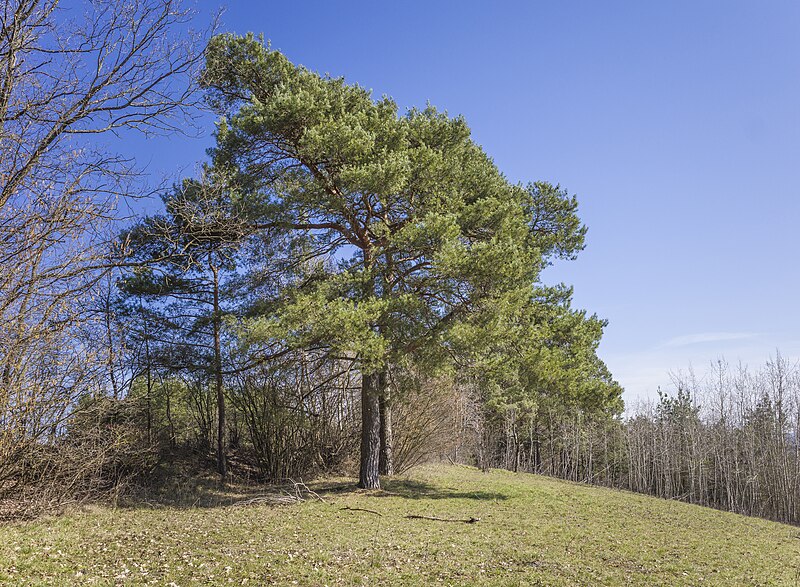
[[532, 531]]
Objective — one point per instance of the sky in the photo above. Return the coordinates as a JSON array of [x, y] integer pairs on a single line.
[[677, 125]]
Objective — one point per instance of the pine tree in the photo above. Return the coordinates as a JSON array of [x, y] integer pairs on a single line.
[[401, 230]]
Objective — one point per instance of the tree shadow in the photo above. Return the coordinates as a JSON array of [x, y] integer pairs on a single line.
[[407, 489], [204, 490], [196, 492], [410, 489]]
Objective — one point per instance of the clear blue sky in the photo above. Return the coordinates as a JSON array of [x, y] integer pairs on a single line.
[[676, 123]]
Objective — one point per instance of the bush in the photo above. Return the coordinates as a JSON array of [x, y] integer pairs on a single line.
[[103, 447]]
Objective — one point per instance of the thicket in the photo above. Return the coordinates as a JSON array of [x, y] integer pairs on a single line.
[[74, 76]]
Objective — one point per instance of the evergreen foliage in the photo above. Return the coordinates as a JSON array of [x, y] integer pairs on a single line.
[[407, 242]]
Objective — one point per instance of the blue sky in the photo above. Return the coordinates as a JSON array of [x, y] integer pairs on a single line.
[[676, 123]]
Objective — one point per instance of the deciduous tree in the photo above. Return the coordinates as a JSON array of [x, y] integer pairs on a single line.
[[74, 76]]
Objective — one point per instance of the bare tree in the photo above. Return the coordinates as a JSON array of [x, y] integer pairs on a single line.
[[72, 74], [729, 440]]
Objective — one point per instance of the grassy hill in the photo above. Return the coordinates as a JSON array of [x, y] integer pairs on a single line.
[[532, 531]]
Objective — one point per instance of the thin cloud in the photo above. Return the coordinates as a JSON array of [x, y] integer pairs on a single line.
[[706, 337]]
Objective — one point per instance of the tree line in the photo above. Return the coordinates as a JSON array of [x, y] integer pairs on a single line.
[[728, 440]]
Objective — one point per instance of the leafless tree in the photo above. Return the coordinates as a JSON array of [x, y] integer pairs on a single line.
[[729, 440], [74, 77]]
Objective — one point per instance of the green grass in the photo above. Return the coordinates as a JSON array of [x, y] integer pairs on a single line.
[[532, 531]]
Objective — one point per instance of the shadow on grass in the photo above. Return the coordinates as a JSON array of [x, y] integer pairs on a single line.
[[188, 481], [194, 492], [408, 489], [206, 492]]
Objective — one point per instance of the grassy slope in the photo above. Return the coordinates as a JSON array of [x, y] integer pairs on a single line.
[[533, 531]]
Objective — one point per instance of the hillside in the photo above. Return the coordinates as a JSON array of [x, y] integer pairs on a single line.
[[532, 531]]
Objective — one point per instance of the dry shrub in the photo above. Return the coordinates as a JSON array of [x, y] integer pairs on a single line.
[[299, 417], [103, 448], [424, 413]]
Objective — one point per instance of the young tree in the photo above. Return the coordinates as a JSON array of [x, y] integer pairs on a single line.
[[180, 260], [403, 227], [537, 366]]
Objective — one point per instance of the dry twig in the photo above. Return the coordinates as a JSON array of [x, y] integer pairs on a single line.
[[470, 520], [362, 510]]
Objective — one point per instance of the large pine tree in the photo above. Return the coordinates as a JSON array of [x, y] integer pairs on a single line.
[[398, 227]]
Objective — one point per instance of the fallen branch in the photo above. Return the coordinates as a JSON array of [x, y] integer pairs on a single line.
[[272, 499], [299, 487], [435, 519], [282, 496], [362, 510]]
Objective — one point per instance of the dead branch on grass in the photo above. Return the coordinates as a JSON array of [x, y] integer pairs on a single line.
[[299, 493], [470, 520], [362, 510]]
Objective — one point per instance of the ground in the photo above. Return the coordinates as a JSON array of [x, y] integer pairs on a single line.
[[531, 531]]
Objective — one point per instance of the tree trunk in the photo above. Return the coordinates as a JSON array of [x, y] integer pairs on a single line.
[[110, 344], [172, 441], [386, 463], [149, 376], [370, 431], [222, 464], [149, 397]]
